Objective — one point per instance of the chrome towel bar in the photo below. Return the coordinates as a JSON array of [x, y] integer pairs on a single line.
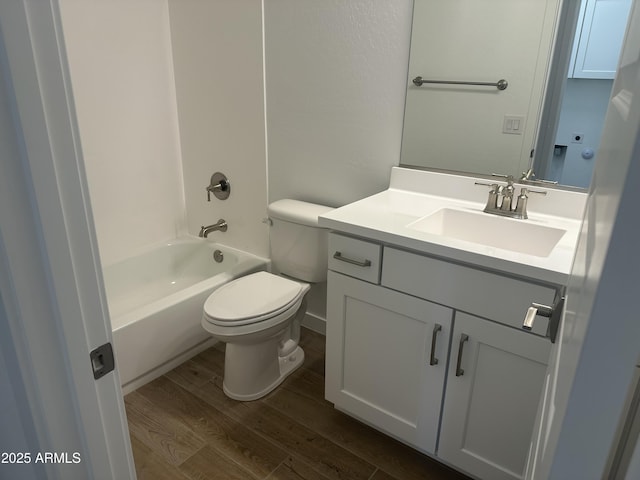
[[501, 84]]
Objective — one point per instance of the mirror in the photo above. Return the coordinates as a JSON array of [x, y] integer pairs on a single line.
[[542, 119]]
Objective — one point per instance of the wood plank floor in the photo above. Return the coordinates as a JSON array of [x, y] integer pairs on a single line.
[[183, 427]]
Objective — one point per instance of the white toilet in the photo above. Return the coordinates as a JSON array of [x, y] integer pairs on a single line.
[[259, 315]]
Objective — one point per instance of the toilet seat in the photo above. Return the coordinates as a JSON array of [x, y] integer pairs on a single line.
[[252, 299]]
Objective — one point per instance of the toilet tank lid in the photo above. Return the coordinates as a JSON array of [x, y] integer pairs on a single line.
[[296, 211]]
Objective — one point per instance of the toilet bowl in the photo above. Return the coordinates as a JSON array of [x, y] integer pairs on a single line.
[[259, 315]]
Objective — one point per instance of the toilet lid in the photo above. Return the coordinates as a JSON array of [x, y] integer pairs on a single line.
[[254, 295]]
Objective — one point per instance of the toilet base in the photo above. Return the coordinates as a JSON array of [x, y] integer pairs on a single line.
[[252, 381]]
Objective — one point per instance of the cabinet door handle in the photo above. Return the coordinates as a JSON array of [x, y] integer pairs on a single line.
[[459, 370], [365, 263], [436, 328]]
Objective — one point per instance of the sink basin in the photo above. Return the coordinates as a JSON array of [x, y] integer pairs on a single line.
[[519, 236]]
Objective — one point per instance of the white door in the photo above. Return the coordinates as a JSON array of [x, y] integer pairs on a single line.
[[52, 305], [592, 362]]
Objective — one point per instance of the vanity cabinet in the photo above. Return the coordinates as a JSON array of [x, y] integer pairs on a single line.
[[599, 35], [432, 353]]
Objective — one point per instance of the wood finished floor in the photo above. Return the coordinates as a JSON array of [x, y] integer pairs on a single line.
[[183, 427]]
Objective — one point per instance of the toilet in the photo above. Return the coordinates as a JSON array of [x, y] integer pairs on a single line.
[[259, 315]]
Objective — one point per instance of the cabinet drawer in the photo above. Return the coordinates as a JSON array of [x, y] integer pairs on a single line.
[[355, 257], [496, 297]]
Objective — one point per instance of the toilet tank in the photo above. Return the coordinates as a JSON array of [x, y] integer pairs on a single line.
[[298, 245]]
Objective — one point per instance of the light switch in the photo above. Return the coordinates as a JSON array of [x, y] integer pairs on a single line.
[[513, 124]]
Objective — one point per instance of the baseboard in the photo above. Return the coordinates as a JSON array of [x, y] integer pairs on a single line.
[[315, 323]]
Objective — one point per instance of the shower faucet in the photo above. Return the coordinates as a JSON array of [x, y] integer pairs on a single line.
[[219, 186]]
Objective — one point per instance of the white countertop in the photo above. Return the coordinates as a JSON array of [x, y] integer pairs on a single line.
[[414, 194]]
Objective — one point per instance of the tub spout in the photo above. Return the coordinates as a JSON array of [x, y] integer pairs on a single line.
[[219, 225]]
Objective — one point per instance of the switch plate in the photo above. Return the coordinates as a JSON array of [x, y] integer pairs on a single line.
[[513, 124]]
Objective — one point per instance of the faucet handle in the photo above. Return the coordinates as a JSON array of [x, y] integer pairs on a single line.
[[509, 178], [219, 185], [529, 177], [521, 205], [525, 191], [494, 186], [492, 201]]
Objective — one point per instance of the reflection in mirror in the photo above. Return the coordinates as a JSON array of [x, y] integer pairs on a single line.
[[567, 148], [483, 130]]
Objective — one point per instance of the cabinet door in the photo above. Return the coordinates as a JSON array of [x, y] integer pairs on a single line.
[[496, 375], [386, 358], [599, 35]]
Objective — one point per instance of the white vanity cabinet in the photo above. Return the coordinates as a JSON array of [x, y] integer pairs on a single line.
[[475, 405]]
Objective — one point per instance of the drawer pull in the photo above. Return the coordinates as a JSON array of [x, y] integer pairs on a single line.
[[459, 370], [436, 328], [358, 263]]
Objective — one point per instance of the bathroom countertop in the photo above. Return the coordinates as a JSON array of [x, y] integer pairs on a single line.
[[386, 217]]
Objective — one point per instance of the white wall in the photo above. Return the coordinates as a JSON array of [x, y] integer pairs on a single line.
[[217, 52], [119, 56], [335, 81]]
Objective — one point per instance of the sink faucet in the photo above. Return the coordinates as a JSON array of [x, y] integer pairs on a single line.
[[219, 225], [506, 207]]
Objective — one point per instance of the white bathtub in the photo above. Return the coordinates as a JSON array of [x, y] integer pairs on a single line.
[[156, 299]]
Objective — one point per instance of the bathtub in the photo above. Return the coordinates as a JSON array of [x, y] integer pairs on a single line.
[[155, 304]]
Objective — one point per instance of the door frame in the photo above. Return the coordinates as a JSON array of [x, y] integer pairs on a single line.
[[549, 120], [54, 306], [593, 362]]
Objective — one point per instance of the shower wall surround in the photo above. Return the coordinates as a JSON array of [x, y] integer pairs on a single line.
[[151, 137], [217, 55], [119, 55]]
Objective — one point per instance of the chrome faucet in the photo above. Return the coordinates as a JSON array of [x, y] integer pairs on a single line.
[[220, 225], [504, 193]]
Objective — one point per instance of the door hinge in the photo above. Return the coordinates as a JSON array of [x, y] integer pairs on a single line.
[[102, 360]]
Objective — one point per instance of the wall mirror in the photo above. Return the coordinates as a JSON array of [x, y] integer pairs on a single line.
[[530, 82]]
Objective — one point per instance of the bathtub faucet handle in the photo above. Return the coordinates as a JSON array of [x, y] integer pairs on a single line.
[[220, 187]]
